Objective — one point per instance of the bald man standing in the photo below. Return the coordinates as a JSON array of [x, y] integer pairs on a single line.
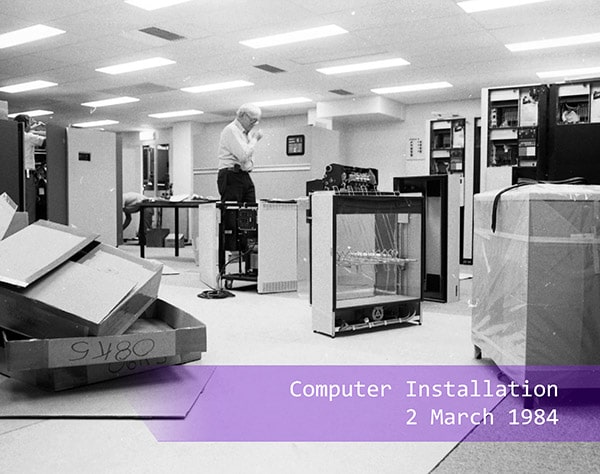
[[236, 155]]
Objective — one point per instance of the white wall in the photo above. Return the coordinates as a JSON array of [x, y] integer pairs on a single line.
[[132, 140], [384, 145], [181, 158], [275, 174]]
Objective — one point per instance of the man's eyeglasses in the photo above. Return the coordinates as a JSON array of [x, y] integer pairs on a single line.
[[252, 120]]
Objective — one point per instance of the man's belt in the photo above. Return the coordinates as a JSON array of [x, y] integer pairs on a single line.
[[235, 169]]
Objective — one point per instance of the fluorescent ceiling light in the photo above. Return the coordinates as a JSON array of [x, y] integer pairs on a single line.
[[411, 88], [154, 4], [97, 123], [27, 86], [295, 36], [107, 102], [368, 66], [555, 42], [32, 113], [135, 66], [27, 35], [570, 72], [472, 6], [176, 113], [292, 100], [218, 86]]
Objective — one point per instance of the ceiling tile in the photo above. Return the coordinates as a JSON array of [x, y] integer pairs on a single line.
[[440, 40]]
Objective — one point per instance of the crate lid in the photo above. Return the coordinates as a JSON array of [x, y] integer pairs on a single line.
[[8, 208], [546, 192], [40, 247]]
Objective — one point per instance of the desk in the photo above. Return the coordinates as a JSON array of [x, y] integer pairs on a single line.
[[175, 205]]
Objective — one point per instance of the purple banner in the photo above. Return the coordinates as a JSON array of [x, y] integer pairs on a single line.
[[390, 403]]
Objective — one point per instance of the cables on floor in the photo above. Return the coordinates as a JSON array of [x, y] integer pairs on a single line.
[[215, 294], [219, 292]]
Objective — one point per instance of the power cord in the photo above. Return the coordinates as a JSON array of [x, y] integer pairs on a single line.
[[219, 292], [216, 293]]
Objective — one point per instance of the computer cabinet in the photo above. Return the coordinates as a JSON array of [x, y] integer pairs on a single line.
[[366, 261], [516, 125], [574, 132], [48, 198], [514, 132], [550, 132], [447, 146]]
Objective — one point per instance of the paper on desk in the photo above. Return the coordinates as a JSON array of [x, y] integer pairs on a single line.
[[179, 197]]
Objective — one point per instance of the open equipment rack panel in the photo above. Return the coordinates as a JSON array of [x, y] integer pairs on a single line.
[[366, 260], [441, 278], [238, 244]]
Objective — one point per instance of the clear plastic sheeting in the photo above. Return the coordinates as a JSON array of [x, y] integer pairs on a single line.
[[366, 261], [536, 279], [371, 256]]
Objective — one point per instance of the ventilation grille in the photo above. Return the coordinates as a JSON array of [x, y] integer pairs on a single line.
[[278, 206], [278, 286], [269, 68], [139, 89], [163, 34], [341, 92]]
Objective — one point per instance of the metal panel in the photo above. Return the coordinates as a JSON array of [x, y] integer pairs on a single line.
[[37, 249], [277, 242], [206, 244]]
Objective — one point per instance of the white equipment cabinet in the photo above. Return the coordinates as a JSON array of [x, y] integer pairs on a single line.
[[267, 244]]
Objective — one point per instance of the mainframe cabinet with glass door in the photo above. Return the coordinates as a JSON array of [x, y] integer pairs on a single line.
[[366, 261]]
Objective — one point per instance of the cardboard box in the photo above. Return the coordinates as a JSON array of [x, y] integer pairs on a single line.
[[162, 331], [19, 221], [536, 279], [100, 291], [11, 220], [164, 335], [8, 208], [170, 240], [65, 378], [156, 237]]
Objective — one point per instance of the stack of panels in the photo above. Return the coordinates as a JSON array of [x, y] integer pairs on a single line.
[[74, 311]]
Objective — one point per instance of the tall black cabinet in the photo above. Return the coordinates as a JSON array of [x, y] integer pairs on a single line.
[[573, 148], [11, 162], [57, 174]]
